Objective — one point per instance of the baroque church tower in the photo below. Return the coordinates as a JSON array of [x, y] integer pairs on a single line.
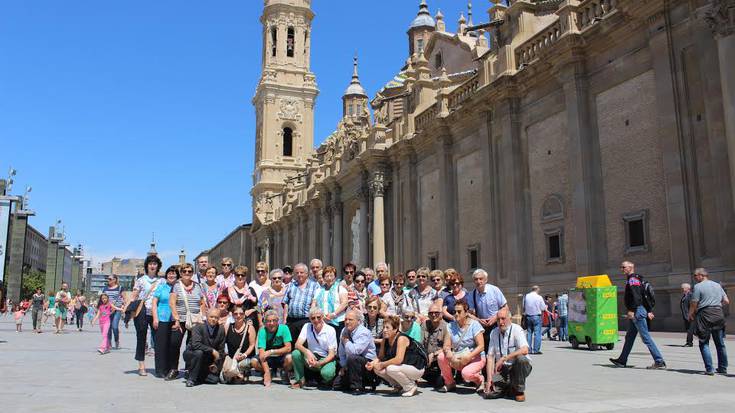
[[284, 102]]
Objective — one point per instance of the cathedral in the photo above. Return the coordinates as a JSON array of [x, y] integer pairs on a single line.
[[540, 140]]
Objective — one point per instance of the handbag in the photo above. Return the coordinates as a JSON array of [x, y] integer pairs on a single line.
[[191, 319], [230, 367]]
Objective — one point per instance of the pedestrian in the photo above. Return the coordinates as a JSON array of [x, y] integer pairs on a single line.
[[104, 312], [187, 305], [18, 314], [508, 363], [63, 298], [686, 295], [80, 309], [562, 311], [141, 304], [162, 324], [204, 355], [548, 318], [639, 312], [300, 298], [485, 301], [534, 308], [115, 292], [38, 306], [705, 310]]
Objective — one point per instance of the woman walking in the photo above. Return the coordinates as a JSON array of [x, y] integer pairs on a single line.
[[188, 307], [162, 322], [142, 302], [114, 291], [38, 306], [80, 309]]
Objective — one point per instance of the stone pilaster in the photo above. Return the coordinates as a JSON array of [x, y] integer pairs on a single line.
[[378, 186], [587, 210], [448, 200], [364, 197], [314, 231], [337, 229], [326, 255]]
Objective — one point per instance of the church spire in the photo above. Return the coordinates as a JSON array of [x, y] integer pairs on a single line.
[[355, 87]]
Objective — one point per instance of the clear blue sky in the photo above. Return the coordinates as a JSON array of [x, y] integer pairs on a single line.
[[134, 117]]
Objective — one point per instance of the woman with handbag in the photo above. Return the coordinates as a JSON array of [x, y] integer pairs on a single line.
[[242, 294], [463, 350], [162, 322], [80, 309], [188, 307], [401, 361], [240, 341], [141, 305]]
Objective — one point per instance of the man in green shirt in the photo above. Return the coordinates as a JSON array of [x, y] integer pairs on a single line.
[[274, 347]]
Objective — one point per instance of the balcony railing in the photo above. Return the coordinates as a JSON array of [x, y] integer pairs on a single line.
[[464, 92], [590, 11], [530, 49], [425, 117]]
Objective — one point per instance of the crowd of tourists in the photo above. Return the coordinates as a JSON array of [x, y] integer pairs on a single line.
[[354, 329]]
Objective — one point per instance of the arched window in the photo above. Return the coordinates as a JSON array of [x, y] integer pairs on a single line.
[[287, 142], [420, 45], [274, 41], [290, 42]]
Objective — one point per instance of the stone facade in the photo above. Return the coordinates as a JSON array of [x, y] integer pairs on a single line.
[[236, 245], [558, 139]]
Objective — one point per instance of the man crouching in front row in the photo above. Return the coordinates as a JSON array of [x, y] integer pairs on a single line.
[[508, 348]]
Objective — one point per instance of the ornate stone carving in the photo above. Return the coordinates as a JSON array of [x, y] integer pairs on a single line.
[[721, 17], [378, 184], [289, 109]]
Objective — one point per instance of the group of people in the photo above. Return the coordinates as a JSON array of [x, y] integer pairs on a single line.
[[62, 307], [314, 325]]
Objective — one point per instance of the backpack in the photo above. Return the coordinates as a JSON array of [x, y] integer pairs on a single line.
[[420, 352], [649, 296]]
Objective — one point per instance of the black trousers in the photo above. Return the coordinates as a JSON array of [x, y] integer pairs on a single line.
[[689, 328], [79, 316], [174, 350], [141, 323], [357, 375], [162, 346], [513, 377], [198, 362], [294, 326], [433, 375]]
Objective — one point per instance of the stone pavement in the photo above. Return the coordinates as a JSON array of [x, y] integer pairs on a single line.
[[64, 373]]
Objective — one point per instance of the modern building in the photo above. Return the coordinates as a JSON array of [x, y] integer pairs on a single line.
[[123, 266], [36, 250], [97, 281], [555, 138]]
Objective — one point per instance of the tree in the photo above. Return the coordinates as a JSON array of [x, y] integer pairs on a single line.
[[32, 280]]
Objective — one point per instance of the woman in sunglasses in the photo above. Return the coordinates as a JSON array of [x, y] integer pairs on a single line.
[[240, 339], [463, 349], [396, 300], [223, 305], [272, 297], [456, 286], [358, 293], [187, 302], [162, 322], [373, 320], [227, 278], [210, 288], [241, 294]]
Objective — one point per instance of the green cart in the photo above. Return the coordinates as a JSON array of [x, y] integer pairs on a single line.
[[593, 313]]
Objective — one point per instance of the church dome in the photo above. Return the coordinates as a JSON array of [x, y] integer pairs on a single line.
[[423, 18]]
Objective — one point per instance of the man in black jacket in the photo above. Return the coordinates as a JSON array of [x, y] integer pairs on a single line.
[[686, 295], [205, 353], [638, 314]]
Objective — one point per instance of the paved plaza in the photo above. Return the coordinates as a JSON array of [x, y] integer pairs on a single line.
[[64, 373]]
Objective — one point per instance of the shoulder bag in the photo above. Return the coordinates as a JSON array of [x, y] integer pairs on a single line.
[[230, 368], [191, 319]]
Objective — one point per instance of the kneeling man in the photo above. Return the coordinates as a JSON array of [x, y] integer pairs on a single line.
[[205, 352], [508, 363]]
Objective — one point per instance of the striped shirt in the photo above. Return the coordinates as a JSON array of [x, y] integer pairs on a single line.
[[115, 295], [299, 299]]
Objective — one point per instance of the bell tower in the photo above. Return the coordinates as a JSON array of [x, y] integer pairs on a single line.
[[284, 100]]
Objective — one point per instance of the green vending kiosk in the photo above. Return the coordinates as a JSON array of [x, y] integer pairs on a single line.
[[593, 313]]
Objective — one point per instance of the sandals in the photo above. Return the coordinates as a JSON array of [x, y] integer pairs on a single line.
[[447, 389], [142, 372]]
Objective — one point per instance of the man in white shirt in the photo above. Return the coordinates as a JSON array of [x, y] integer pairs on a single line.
[[508, 363], [533, 308], [320, 352]]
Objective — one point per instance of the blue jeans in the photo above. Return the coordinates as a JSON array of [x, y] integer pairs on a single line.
[[114, 327], [533, 332], [718, 337], [636, 325], [563, 328]]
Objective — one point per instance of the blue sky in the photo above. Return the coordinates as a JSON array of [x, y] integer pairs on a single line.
[[134, 117]]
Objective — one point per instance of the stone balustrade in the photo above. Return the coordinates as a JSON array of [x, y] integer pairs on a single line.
[[590, 11], [464, 92], [530, 49], [425, 117]]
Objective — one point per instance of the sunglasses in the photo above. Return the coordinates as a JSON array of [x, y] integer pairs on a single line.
[[372, 307], [226, 265], [398, 283], [434, 313], [316, 318], [436, 280], [349, 272], [276, 278], [238, 314], [240, 275], [261, 271], [187, 271], [385, 285], [409, 318], [423, 276], [359, 281], [223, 302]]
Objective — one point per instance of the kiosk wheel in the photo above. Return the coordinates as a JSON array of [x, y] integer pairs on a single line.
[[610, 346], [575, 343], [590, 346]]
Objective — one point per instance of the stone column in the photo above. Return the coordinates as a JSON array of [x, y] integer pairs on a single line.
[[447, 200], [298, 243], [364, 198], [721, 19], [267, 244], [326, 245], [304, 240], [378, 185], [337, 229], [314, 251], [14, 269]]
